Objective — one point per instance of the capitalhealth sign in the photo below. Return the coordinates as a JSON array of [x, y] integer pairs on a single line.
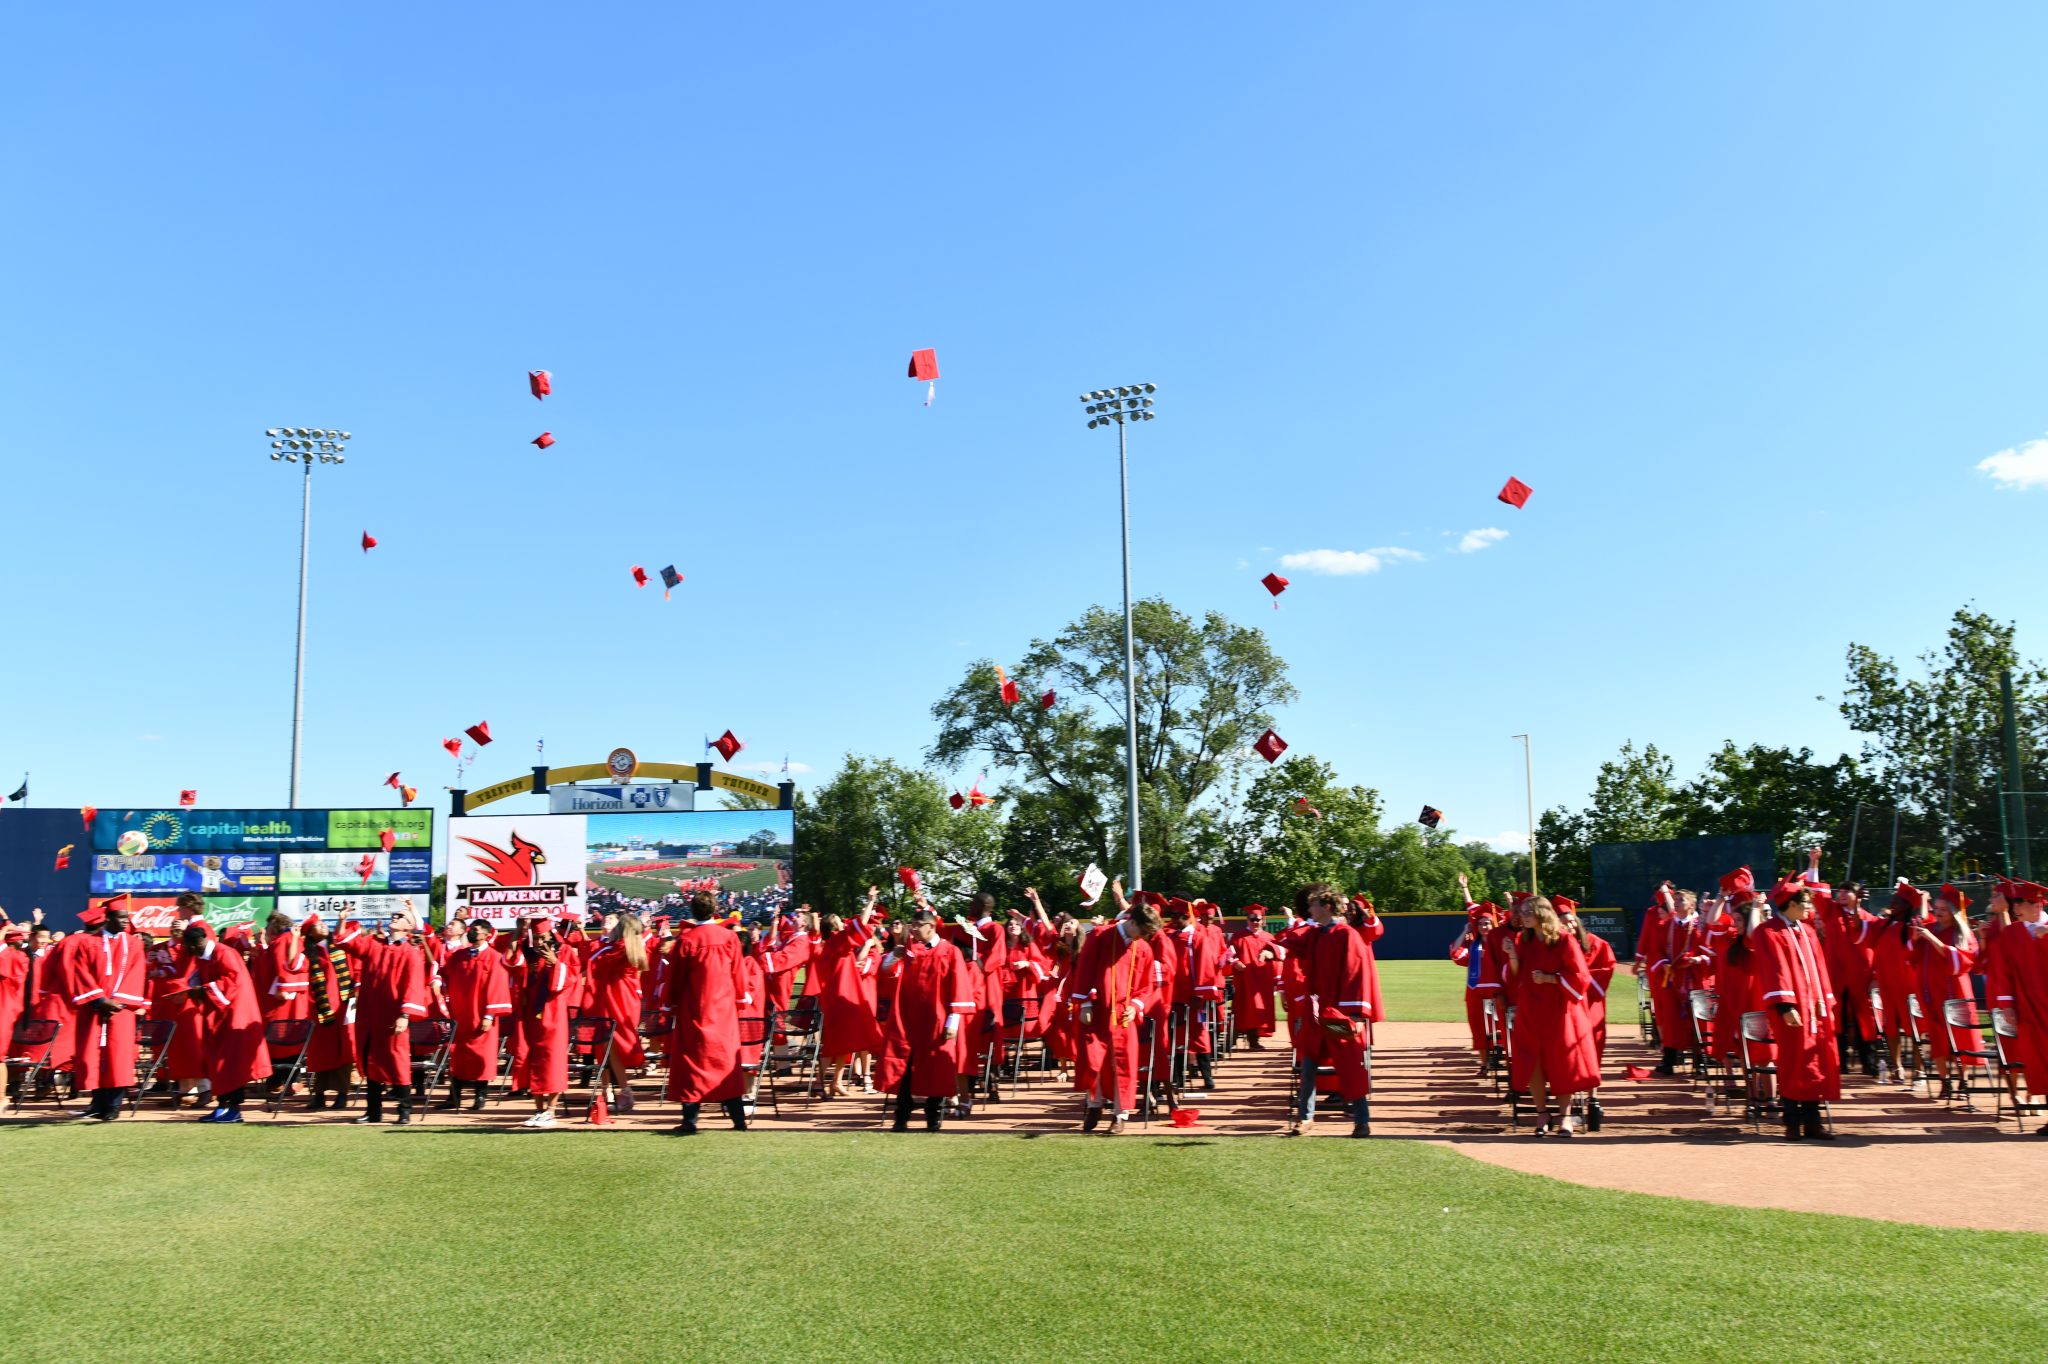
[[135, 832]]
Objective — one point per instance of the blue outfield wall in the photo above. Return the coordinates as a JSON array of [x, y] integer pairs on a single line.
[[29, 840]]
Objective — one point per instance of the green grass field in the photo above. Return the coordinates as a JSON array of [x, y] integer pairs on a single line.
[[664, 883], [262, 1244], [1434, 992]]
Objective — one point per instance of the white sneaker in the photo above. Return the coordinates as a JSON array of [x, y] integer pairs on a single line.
[[1570, 1126], [1884, 1073], [625, 1104], [544, 1118]]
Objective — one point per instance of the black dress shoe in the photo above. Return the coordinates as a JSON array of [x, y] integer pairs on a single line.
[[1091, 1120], [367, 1119]]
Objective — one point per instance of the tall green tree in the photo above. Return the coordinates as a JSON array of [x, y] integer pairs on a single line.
[[875, 815], [1798, 800], [1205, 692], [1921, 731], [1271, 847], [1632, 800]]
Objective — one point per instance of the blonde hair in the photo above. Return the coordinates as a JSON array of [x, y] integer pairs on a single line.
[[1548, 926], [630, 934]]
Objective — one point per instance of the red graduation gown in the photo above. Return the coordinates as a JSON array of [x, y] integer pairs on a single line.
[[391, 983], [934, 984], [1792, 968], [708, 991], [1600, 965], [2020, 975], [236, 1054], [1254, 980], [59, 968], [1551, 1019], [332, 1045], [13, 991], [1944, 974], [780, 957], [984, 964], [479, 995], [615, 994], [545, 1002], [846, 991], [1337, 1012], [110, 967], [1111, 972]]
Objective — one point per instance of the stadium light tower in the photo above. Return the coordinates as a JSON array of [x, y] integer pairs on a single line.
[[300, 445], [1120, 407]]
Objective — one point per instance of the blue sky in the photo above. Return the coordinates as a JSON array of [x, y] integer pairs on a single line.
[[1746, 293]]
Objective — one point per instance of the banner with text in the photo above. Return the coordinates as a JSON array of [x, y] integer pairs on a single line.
[[503, 867], [169, 873]]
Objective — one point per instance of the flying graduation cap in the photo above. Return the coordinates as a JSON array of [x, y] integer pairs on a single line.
[[1430, 817], [727, 744], [188, 799], [1275, 584], [88, 813], [479, 733], [1515, 494], [454, 747], [1270, 746], [543, 440], [1303, 808], [64, 857], [1047, 701], [386, 837], [540, 383], [669, 579], [392, 781], [924, 364], [1007, 688], [408, 794], [369, 542], [639, 576], [366, 868], [957, 801]]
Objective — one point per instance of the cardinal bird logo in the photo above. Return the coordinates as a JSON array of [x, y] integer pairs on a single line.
[[507, 867]]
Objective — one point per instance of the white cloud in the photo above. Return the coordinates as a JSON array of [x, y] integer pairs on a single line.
[[1476, 540], [795, 768], [1514, 841], [1244, 563], [1347, 562], [2021, 468]]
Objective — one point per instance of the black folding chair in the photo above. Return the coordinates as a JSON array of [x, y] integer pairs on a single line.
[[1704, 1006], [285, 1034], [753, 1033], [2005, 1029], [152, 1042], [1961, 1014], [1646, 1012], [30, 1048], [437, 1034], [590, 1037], [800, 1027], [1759, 1078]]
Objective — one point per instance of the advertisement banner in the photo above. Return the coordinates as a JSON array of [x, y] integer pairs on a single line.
[[501, 867], [371, 911], [169, 873], [340, 873], [348, 829], [652, 797], [154, 914]]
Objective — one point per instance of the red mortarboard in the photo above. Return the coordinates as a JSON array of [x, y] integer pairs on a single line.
[[908, 876], [454, 747], [1046, 701], [234, 933], [1302, 807], [975, 797], [188, 799], [1955, 897], [1430, 817], [1515, 897], [669, 579], [1782, 893], [408, 794], [1909, 894], [1484, 908], [1564, 904], [1006, 688], [93, 913], [479, 733], [88, 813], [1270, 746], [1740, 879], [13, 932], [2028, 893], [1637, 1073], [1516, 493], [540, 383], [366, 868], [924, 364], [727, 744], [1276, 585], [639, 576], [544, 439], [392, 781], [956, 800], [386, 838], [369, 542], [64, 856]]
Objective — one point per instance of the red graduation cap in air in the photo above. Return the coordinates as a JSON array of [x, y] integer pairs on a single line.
[[366, 868], [924, 364], [974, 796], [88, 813], [727, 744], [1007, 688], [408, 794], [1516, 493], [669, 579], [188, 799], [479, 733], [543, 440], [540, 383], [1046, 701], [369, 542], [392, 781], [1302, 807], [64, 856], [1270, 746], [956, 800], [1275, 584], [386, 838], [454, 747], [1430, 817], [639, 576]]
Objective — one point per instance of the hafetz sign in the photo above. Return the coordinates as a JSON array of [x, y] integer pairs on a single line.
[[170, 873], [503, 867], [373, 910], [651, 797]]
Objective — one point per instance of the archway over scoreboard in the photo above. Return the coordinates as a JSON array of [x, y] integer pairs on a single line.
[[702, 775]]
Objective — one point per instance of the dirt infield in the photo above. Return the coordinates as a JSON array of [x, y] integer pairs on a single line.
[[1658, 1138]]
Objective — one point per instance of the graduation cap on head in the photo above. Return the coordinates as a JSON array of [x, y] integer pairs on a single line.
[[479, 733], [1906, 893], [727, 744], [1275, 584], [454, 747], [639, 576], [540, 383], [669, 579], [188, 798], [1270, 746], [543, 440], [1738, 881], [1564, 904], [93, 912], [924, 364], [1955, 897], [1515, 493], [1430, 817]]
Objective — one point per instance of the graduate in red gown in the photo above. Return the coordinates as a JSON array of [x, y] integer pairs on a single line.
[[1792, 968], [1336, 1010], [391, 994], [1026, 968], [104, 981], [279, 970], [782, 955], [1198, 991], [62, 964], [236, 1055], [1600, 967], [845, 966], [2018, 972], [1680, 962], [922, 1041], [709, 990], [549, 988], [1895, 973], [614, 971], [981, 941], [1058, 1018], [1114, 984], [1254, 976], [1552, 1052], [330, 1002], [14, 964], [1468, 950], [39, 997], [478, 990], [1849, 935], [1944, 954]]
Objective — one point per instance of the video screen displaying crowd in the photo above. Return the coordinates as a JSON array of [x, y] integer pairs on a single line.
[[934, 1011]]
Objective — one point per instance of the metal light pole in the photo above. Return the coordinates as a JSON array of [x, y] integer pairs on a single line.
[[1119, 406], [1529, 790], [301, 445]]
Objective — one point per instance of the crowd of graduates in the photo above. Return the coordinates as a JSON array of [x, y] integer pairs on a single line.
[[925, 1011]]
